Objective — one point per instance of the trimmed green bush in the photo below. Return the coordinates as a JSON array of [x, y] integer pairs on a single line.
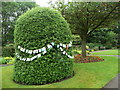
[[2, 61], [8, 51], [36, 29]]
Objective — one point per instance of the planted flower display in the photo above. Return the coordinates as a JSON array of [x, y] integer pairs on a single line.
[[7, 60], [88, 59]]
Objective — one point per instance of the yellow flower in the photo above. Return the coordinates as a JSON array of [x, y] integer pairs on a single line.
[[87, 47], [92, 50], [11, 61], [87, 51], [8, 58]]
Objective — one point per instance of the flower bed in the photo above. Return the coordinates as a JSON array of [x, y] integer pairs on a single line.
[[7, 60], [88, 59]]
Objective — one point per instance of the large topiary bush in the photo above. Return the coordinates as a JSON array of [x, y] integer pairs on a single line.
[[42, 28]]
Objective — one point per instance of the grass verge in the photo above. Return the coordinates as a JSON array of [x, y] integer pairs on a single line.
[[107, 52]]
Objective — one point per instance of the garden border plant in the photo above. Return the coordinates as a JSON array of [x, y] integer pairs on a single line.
[[44, 29], [88, 59]]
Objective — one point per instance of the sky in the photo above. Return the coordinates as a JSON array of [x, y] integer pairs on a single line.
[[43, 3]]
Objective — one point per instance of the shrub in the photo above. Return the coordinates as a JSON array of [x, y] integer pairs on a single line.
[[36, 29], [76, 51], [9, 45], [2, 60], [108, 46], [91, 45], [6, 60], [0, 51], [96, 46], [11, 60], [118, 46], [8, 51], [76, 40], [77, 47]]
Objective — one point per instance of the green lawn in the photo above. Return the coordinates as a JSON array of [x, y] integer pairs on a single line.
[[87, 75], [107, 52]]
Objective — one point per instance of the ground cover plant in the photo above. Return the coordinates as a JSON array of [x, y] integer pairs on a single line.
[[42, 39], [87, 75]]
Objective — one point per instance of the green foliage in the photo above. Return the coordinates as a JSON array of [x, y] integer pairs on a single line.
[[76, 39], [6, 60], [9, 45], [35, 29], [91, 45], [8, 51], [2, 60], [104, 36], [111, 38], [108, 46], [10, 12], [96, 46], [98, 36], [86, 17], [12, 60]]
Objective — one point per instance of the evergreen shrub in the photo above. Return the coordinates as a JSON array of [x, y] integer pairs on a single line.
[[36, 29], [8, 51]]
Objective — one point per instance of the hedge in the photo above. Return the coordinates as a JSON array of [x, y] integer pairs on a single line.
[[8, 51], [36, 29]]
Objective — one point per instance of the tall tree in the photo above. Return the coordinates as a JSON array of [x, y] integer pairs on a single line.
[[87, 17], [10, 12]]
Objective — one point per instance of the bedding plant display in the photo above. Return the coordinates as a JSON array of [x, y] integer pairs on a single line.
[[88, 59], [42, 47], [7, 60]]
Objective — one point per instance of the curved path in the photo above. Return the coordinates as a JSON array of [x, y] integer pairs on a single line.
[[6, 65], [113, 84]]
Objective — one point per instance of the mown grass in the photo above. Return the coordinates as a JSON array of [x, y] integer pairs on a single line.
[[87, 75], [107, 52]]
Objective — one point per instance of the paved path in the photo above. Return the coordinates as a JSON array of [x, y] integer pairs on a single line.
[[6, 65], [113, 83]]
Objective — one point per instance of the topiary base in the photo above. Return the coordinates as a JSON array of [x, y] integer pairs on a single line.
[[47, 82], [43, 70]]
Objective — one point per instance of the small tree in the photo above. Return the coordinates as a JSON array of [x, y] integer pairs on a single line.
[[87, 17]]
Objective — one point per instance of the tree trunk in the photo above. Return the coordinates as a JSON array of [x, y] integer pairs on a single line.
[[84, 47]]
